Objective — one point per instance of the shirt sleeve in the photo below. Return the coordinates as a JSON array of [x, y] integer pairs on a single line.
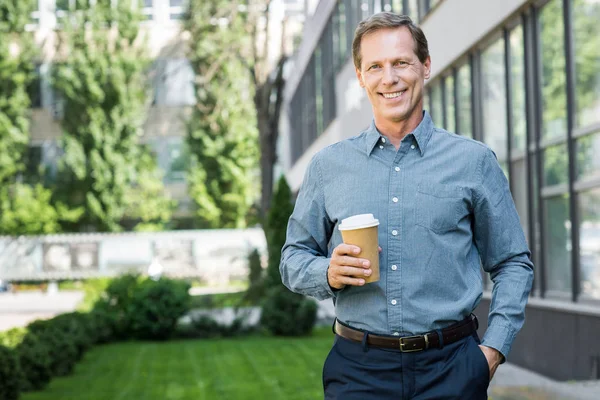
[[504, 254], [304, 260]]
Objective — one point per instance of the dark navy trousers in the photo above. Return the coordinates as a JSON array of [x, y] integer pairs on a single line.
[[355, 371]]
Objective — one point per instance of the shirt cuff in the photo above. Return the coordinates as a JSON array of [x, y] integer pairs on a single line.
[[499, 337], [322, 284]]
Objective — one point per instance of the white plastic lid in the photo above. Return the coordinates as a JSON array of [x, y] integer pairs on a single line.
[[358, 222]]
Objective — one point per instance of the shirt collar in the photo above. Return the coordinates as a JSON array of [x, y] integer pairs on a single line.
[[422, 134]]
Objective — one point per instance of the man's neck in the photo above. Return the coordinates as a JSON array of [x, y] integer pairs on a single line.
[[395, 131]]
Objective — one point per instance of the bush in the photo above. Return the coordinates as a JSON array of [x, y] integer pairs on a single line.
[[115, 304], [256, 286], [78, 328], [156, 306], [10, 374], [288, 314], [62, 349], [33, 356]]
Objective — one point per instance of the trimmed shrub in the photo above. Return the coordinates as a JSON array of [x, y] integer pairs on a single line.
[[256, 285], [115, 304], [288, 314], [77, 328], [10, 374], [33, 355], [62, 349], [156, 306]]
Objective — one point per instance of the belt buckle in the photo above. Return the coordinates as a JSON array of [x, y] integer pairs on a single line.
[[402, 344]]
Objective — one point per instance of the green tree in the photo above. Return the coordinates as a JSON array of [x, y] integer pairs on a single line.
[[102, 87], [222, 134], [276, 227], [283, 312], [28, 210], [16, 72], [146, 201], [23, 209]]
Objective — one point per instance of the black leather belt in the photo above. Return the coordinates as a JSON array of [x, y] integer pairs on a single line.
[[408, 344]]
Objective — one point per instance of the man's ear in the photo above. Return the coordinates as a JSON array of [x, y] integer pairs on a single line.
[[427, 65], [360, 78]]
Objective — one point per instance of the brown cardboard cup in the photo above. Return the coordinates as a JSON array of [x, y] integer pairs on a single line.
[[361, 230]]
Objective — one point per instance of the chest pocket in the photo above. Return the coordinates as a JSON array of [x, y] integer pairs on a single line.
[[439, 207]]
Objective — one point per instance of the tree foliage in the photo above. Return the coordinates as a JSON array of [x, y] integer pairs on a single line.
[[100, 78], [23, 209], [283, 312], [275, 229], [16, 72], [222, 135]]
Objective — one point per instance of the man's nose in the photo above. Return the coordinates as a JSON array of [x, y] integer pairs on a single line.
[[390, 77]]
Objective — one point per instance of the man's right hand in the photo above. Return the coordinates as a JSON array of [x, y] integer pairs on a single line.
[[346, 268]]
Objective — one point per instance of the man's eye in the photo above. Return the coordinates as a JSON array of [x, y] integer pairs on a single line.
[[401, 63], [374, 66]]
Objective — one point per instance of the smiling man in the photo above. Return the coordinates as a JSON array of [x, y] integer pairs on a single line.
[[445, 211]]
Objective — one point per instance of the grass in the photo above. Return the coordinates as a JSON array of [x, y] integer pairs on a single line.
[[246, 368], [236, 369]]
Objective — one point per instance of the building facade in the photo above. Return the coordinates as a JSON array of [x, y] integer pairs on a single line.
[[523, 77]]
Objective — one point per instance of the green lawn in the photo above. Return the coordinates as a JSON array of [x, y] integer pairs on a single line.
[[247, 368], [237, 369]]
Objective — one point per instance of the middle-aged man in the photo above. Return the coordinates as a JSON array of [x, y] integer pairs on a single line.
[[445, 210]]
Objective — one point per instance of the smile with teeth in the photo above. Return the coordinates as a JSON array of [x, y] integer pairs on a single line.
[[392, 95]]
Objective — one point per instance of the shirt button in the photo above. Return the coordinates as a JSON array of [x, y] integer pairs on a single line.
[[394, 302], [394, 232], [395, 199], [412, 146], [383, 140], [394, 267], [397, 169], [381, 147]]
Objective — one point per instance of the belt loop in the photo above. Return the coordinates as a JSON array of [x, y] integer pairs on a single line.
[[441, 337], [474, 318], [365, 345]]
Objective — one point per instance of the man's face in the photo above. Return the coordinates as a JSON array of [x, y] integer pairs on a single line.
[[392, 74]]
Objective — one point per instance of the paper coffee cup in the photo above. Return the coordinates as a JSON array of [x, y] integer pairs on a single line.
[[361, 230]]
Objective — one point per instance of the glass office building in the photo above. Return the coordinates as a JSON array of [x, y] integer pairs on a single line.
[[522, 77]]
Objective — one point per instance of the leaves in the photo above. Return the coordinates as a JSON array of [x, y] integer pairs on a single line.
[[222, 135], [102, 83]]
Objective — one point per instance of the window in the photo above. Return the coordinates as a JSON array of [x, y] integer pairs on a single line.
[[517, 74], [586, 38], [318, 88], [342, 41], [171, 157], [177, 9], [34, 89], [553, 65], [326, 79], [365, 11], [556, 165], [587, 149], [557, 243], [174, 82], [493, 97], [147, 9], [435, 96], [413, 10], [589, 248], [449, 100], [463, 101], [352, 19]]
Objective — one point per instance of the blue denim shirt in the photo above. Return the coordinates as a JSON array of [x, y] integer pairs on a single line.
[[445, 210]]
